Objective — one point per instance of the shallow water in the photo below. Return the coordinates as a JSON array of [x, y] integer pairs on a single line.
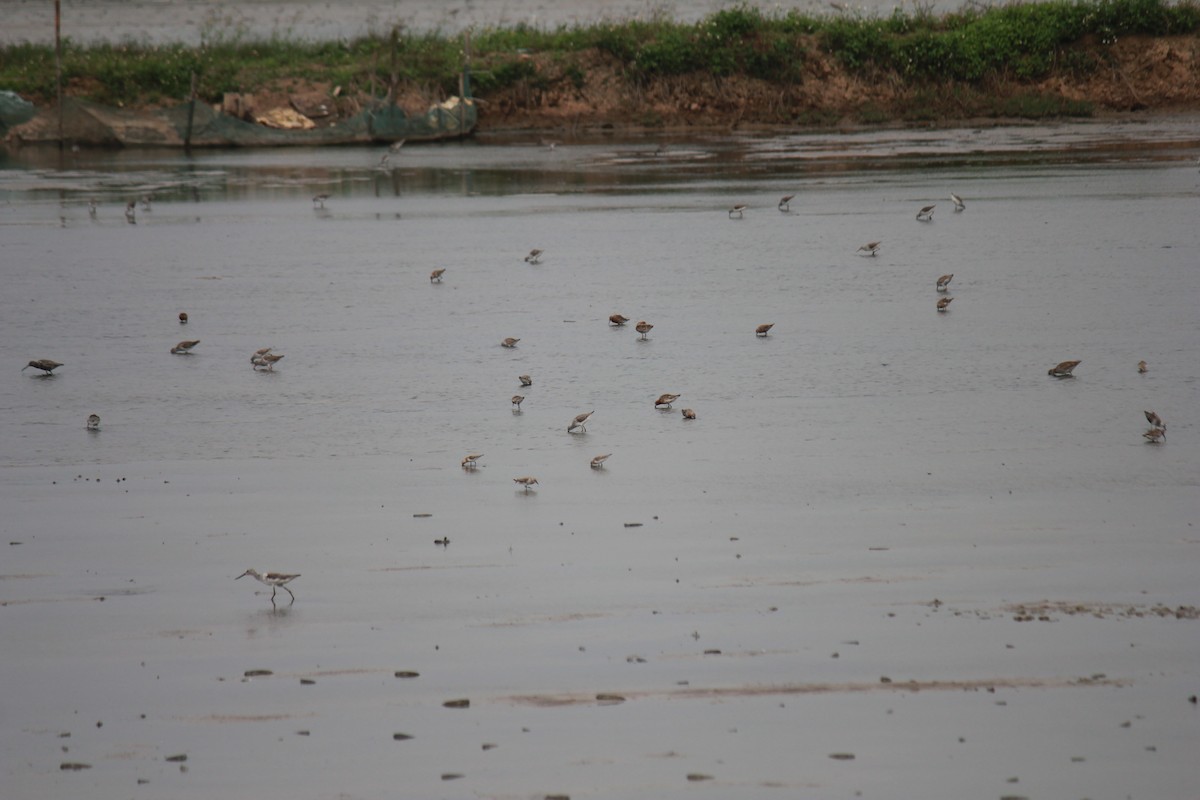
[[868, 457]]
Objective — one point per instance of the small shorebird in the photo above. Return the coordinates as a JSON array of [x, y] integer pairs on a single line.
[[534, 257], [1155, 420], [185, 347], [763, 330], [256, 360], [688, 414], [598, 461], [739, 209], [1142, 366], [509, 342], [643, 328], [93, 422], [92, 208], [926, 213], [44, 364], [870, 248], [275, 580], [959, 205], [470, 461], [131, 212], [944, 303], [183, 318], [784, 202], [319, 200], [525, 380], [666, 400], [528, 481], [436, 275], [618, 320], [580, 421], [1156, 435], [1064, 369], [943, 283], [517, 400], [269, 360]]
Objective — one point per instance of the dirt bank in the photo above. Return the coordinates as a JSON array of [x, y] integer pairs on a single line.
[[1135, 74]]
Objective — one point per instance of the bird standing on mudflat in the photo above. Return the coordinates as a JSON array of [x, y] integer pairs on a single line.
[[666, 400], [525, 380], [784, 202], [93, 422], [269, 360], [517, 400], [319, 200], [943, 283], [944, 303], [580, 421], [763, 330], [739, 209], [509, 342], [598, 461], [185, 347], [183, 318], [1142, 368], [275, 580], [44, 364], [528, 481], [534, 257], [959, 205], [643, 328], [1155, 435], [688, 413], [618, 320], [1064, 369], [870, 248], [1155, 420], [436, 275], [470, 461], [926, 214]]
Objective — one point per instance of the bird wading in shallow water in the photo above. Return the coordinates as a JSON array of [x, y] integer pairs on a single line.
[[185, 347], [436, 275], [944, 303], [785, 201], [688, 413], [46, 365], [471, 460], [580, 421], [528, 481], [740, 210], [598, 461], [93, 422], [926, 214], [534, 257], [509, 342], [1142, 368], [1064, 369], [943, 283], [525, 380], [276, 580], [516, 401], [959, 205], [665, 400], [643, 328]]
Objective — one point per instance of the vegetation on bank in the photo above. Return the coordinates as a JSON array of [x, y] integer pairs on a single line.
[[924, 52]]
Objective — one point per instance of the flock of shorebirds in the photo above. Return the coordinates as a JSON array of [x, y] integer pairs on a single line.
[[265, 359], [261, 359]]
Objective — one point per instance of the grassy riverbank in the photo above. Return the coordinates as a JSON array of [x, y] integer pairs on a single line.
[[737, 65]]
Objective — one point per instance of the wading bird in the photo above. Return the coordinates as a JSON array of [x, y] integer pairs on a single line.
[[943, 283], [44, 364], [470, 461], [688, 414], [738, 209], [944, 303], [665, 400], [926, 214], [275, 580], [763, 330], [509, 342], [436, 275], [643, 328], [580, 421], [185, 347], [1064, 369], [598, 461], [784, 202], [618, 320], [959, 205], [534, 257], [870, 248], [528, 481], [93, 422]]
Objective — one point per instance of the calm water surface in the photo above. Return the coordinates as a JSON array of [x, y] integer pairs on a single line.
[[868, 457]]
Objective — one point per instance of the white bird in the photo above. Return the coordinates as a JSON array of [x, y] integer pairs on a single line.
[[959, 205], [470, 461], [273, 579], [93, 422], [870, 248], [738, 209]]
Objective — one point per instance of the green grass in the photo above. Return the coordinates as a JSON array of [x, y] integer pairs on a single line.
[[1016, 42]]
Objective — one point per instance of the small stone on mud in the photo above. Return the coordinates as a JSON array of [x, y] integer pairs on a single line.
[[307, 681], [842, 756], [457, 703], [712, 652], [490, 746], [73, 765], [451, 776], [407, 674], [178, 758], [257, 673], [885, 679], [557, 797], [609, 699], [422, 516], [303, 733], [699, 776], [401, 737], [633, 524]]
